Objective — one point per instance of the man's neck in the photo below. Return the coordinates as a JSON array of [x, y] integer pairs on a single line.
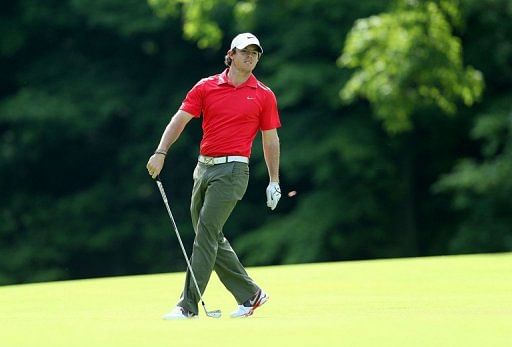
[[237, 77]]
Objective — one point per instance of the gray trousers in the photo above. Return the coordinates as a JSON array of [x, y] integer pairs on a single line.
[[217, 189]]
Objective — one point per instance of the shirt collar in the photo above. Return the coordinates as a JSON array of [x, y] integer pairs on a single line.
[[251, 81]]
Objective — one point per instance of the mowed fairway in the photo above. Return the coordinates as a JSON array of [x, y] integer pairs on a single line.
[[437, 301]]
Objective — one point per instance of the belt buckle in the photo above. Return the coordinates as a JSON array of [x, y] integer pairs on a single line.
[[210, 161], [206, 160]]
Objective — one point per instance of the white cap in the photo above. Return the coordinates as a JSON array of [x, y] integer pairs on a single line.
[[245, 39]]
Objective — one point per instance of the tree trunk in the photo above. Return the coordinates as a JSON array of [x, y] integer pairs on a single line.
[[408, 232]]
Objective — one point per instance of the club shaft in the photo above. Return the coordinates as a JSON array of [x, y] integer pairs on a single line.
[[164, 197]]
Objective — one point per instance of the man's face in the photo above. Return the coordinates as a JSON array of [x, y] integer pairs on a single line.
[[245, 59]]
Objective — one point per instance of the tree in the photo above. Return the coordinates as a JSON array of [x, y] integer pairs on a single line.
[[86, 96], [479, 184], [482, 187], [407, 59]]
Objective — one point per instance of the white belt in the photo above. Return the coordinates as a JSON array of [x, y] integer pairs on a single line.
[[222, 160]]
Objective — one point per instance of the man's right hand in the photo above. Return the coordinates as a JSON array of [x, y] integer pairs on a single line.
[[155, 164]]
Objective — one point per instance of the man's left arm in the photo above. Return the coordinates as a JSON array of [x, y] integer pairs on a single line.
[[271, 151]]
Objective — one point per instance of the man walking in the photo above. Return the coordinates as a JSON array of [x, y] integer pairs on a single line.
[[234, 105]]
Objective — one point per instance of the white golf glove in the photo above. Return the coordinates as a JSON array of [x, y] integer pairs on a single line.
[[273, 194]]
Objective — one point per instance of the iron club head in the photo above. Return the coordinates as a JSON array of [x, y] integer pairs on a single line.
[[214, 314]]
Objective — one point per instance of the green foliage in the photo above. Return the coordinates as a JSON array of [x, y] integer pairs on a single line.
[[126, 17], [199, 22], [479, 184], [482, 188], [407, 59], [87, 88], [78, 119]]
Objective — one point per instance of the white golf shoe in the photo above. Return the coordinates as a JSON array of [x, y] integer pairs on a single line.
[[248, 307], [179, 312]]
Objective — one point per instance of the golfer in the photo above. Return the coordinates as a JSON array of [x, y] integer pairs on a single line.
[[234, 105]]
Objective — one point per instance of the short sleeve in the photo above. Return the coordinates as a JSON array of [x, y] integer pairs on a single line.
[[193, 102], [270, 115]]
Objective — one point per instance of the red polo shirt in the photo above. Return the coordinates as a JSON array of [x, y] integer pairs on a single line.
[[231, 115]]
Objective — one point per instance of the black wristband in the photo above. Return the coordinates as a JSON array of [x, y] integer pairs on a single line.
[[161, 152]]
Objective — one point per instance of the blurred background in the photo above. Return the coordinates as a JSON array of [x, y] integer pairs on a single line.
[[397, 130]]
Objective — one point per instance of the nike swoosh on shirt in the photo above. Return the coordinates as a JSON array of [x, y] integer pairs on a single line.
[[250, 98]]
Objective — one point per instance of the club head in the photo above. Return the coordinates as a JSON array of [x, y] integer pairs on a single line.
[[214, 314]]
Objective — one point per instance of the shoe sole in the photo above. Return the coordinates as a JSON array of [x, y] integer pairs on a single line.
[[179, 318], [174, 316]]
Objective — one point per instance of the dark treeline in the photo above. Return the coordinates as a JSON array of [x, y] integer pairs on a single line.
[[398, 144]]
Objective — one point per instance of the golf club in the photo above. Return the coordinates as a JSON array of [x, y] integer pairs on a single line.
[[212, 314]]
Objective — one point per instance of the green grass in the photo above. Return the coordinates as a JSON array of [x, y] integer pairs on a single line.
[[437, 301]]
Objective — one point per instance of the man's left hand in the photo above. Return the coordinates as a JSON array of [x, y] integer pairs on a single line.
[[273, 194]]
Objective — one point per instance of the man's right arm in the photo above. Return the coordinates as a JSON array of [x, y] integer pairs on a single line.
[[170, 135]]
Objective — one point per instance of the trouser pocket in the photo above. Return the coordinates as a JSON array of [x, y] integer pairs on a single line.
[[239, 179]]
